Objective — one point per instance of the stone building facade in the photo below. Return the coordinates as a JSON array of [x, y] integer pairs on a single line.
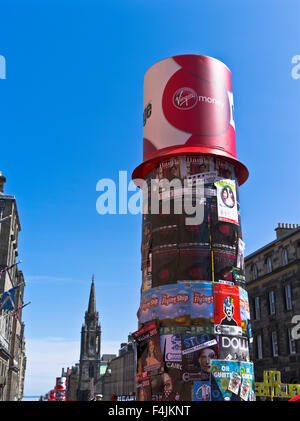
[[119, 378], [12, 340], [273, 285], [72, 376]]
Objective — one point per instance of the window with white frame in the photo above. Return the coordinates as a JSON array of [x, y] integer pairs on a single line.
[[274, 343], [292, 344], [257, 308], [272, 302], [259, 347], [288, 297], [269, 265]]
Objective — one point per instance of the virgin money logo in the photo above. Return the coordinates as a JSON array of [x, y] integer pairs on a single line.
[[185, 98]]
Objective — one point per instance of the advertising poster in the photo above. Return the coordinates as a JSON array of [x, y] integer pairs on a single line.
[[238, 277], [157, 388], [171, 347], [164, 267], [169, 169], [223, 265], [223, 234], [183, 321], [198, 165], [174, 387], [146, 239], [224, 169], [197, 235], [233, 348], [143, 390], [202, 313], [149, 355], [167, 235], [197, 353], [231, 380], [227, 314], [149, 308], [201, 391], [202, 178], [226, 201], [234, 383], [245, 310], [194, 264], [174, 301], [170, 387], [240, 256], [146, 280], [165, 215]]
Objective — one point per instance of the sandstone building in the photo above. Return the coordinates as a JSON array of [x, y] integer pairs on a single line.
[[12, 340], [273, 285]]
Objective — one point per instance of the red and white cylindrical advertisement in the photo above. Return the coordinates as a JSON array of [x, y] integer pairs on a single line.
[[194, 326], [188, 108]]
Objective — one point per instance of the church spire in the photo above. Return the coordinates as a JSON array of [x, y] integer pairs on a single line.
[[92, 300]]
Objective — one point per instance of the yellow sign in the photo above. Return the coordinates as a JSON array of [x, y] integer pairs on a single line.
[[272, 387]]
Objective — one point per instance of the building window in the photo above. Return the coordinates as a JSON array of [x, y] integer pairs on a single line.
[[269, 265], [292, 344], [288, 297], [257, 308], [272, 302], [91, 371], [274, 344], [254, 272], [259, 347], [285, 257]]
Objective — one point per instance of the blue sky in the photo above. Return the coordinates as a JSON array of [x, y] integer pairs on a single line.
[[71, 114]]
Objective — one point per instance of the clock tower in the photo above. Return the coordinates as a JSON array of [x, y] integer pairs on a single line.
[[89, 373]]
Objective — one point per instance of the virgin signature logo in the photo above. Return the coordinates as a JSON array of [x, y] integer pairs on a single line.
[[185, 98]]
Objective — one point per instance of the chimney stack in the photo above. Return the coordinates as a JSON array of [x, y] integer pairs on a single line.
[[2, 182], [283, 229]]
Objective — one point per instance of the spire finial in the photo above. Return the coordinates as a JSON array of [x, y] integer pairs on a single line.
[[92, 300]]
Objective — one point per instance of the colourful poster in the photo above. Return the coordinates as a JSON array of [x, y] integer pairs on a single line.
[[233, 348], [202, 304], [228, 386], [223, 265], [201, 391], [174, 301], [143, 390], [197, 353], [245, 310], [227, 315], [171, 347], [149, 308], [149, 357], [226, 201]]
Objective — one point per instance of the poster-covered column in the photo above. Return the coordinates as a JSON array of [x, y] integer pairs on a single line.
[[193, 318]]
